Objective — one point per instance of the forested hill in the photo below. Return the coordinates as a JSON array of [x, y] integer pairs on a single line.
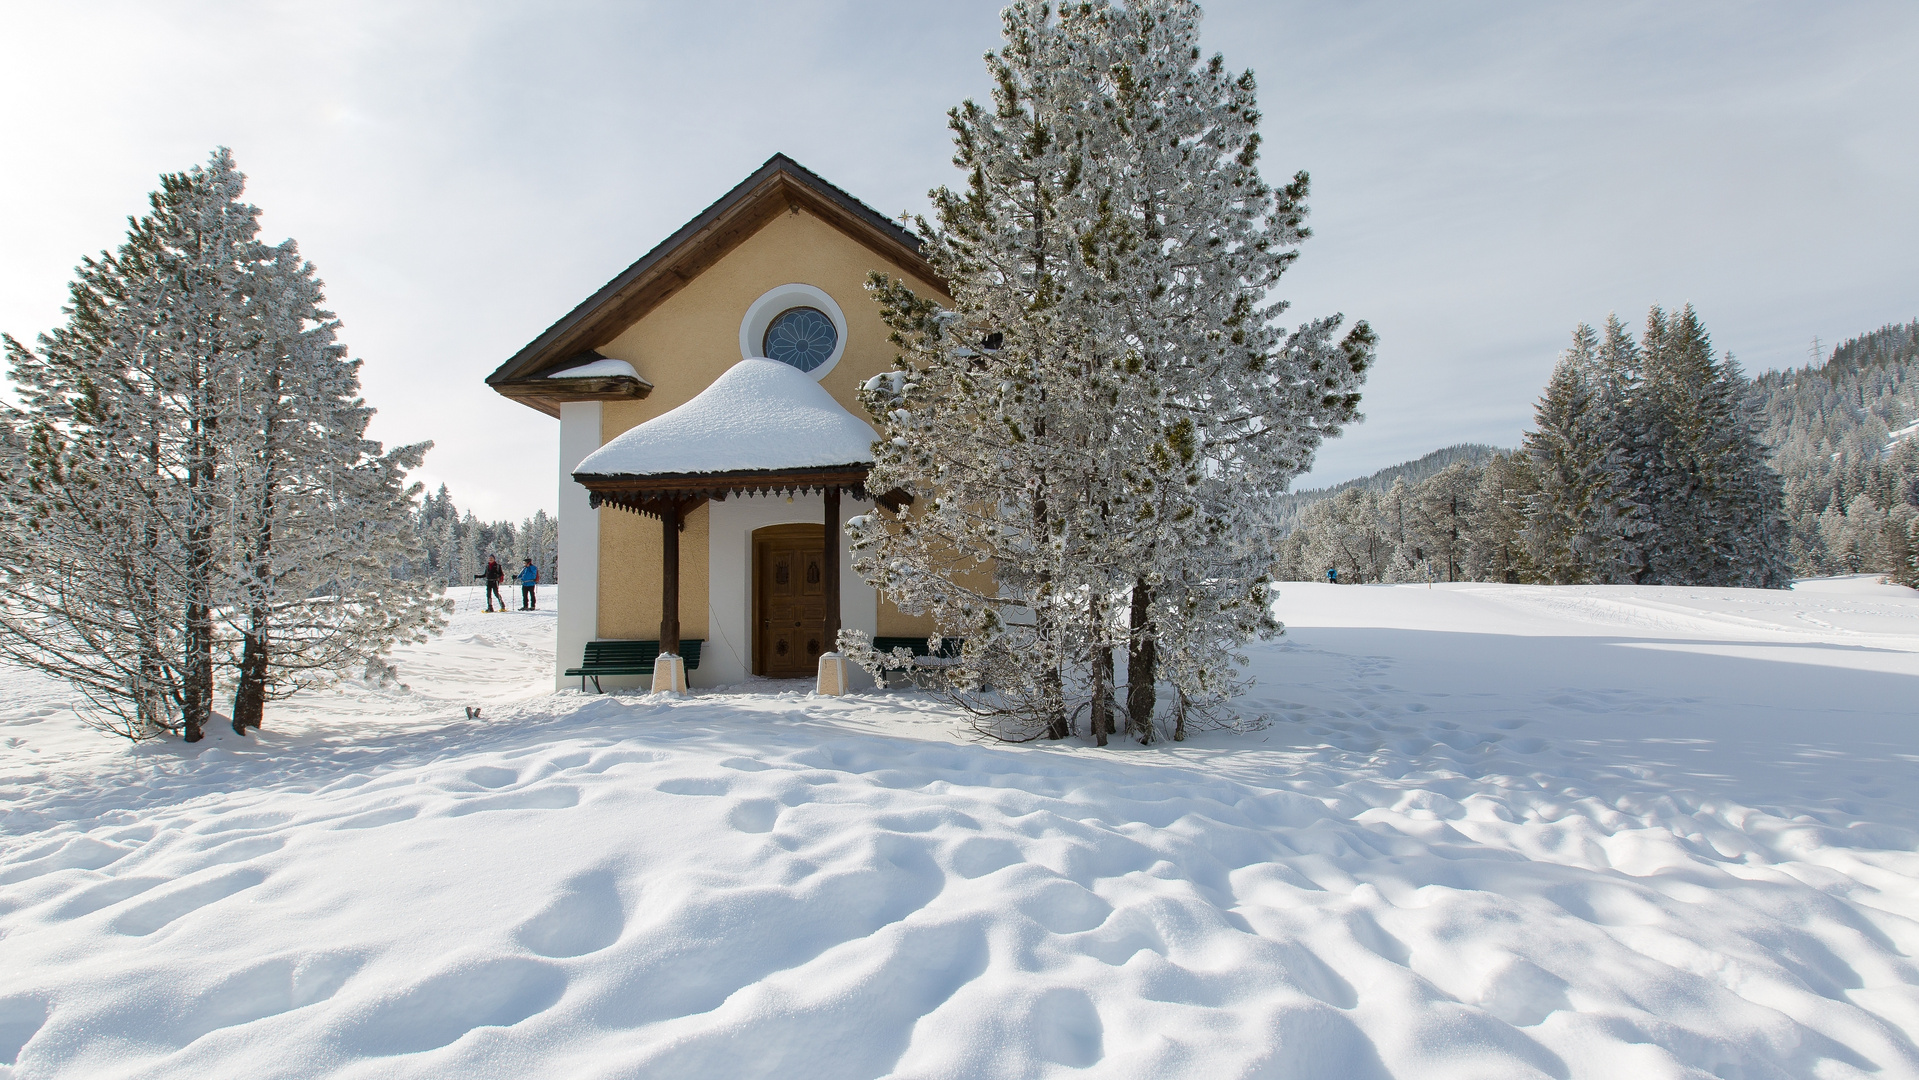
[[1292, 504], [1841, 439]]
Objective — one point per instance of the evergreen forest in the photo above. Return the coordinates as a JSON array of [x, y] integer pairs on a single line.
[[1576, 503], [453, 546]]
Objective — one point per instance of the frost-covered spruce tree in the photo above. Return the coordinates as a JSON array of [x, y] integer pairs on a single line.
[[1716, 507], [1619, 522], [1564, 451], [1580, 521], [1115, 247], [321, 517]]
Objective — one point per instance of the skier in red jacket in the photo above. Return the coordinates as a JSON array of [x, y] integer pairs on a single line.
[[493, 575]]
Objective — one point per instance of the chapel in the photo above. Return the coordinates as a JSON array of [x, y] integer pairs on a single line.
[[712, 442]]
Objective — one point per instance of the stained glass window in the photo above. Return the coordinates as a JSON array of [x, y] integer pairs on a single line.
[[802, 337]]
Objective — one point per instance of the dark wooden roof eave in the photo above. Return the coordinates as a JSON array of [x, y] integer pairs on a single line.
[[698, 244], [546, 394], [646, 494]]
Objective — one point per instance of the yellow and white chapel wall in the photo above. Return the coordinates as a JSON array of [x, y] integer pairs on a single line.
[[681, 347]]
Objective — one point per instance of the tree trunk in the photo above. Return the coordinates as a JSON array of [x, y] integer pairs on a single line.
[[1053, 690], [1052, 681], [1102, 684], [250, 696], [153, 711], [196, 705], [1142, 665], [197, 699], [150, 710]]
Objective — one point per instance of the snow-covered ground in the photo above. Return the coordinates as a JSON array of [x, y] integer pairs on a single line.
[[1488, 832]]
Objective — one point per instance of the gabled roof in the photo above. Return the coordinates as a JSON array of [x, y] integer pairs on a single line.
[[774, 187]]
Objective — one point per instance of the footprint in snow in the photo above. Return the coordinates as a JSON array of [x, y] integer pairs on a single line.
[[153, 915], [21, 1018], [585, 917], [754, 816]]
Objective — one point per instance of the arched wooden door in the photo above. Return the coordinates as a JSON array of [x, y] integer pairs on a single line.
[[789, 600]]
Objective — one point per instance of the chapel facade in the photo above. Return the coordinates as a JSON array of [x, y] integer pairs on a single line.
[[701, 394]]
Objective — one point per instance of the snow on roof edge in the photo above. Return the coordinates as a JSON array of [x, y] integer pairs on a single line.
[[597, 369]]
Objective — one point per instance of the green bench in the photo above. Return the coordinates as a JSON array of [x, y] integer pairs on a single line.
[[630, 658], [949, 650], [949, 647]]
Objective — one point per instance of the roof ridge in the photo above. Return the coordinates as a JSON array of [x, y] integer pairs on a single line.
[[906, 236]]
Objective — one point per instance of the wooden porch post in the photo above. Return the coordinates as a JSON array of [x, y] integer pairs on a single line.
[[830, 579], [670, 579]]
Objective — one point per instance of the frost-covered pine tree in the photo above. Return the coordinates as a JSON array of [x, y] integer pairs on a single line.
[[1497, 549], [321, 516], [1103, 418], [126, 401], [1443, 507], [1220, 405], [136, 478], [985, 424]]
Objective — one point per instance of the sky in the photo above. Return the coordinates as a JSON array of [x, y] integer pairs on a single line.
[[1485, 175]]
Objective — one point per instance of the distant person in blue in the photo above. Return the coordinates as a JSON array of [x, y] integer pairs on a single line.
[[529, 577], [1332, 575]]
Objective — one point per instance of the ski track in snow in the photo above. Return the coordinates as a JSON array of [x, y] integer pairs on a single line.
[[1487, 832]]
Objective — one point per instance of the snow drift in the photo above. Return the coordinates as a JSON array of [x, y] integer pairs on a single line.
[[1489, 831]]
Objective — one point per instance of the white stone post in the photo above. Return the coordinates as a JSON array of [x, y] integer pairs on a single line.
[[669, 674], [832, 679], [579, 616]]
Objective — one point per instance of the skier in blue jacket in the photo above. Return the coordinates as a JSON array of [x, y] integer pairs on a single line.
[[529, 577]]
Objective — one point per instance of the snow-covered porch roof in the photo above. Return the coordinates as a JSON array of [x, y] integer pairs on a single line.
[[762, 426]]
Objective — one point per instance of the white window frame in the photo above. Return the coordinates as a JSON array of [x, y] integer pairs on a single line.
[[775, 302]]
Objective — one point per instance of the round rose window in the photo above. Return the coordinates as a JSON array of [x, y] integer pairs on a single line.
[[802, 337]]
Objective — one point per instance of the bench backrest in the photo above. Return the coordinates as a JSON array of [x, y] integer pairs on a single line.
[[949, 647], [626, 653], [621, 652]]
